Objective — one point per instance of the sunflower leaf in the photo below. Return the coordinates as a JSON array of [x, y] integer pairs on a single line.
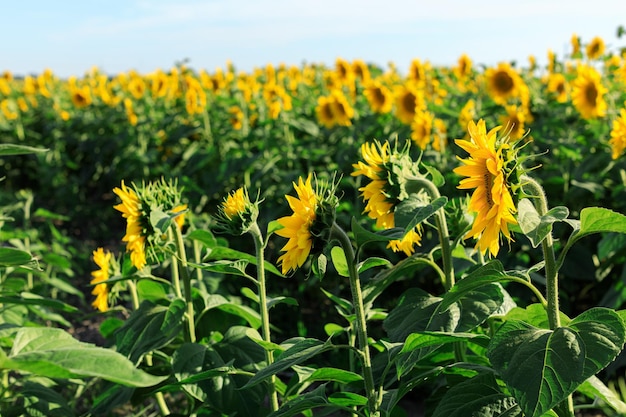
[[536, 227], [413, 211]]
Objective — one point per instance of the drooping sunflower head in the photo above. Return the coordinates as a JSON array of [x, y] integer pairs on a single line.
[[588, 93], [308, 228], [490, 170], [618, 135], [237, 213], [389, 172], [149, 211]]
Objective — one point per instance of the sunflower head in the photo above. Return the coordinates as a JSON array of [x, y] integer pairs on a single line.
[[149, 211], [588, 93], [618, 135], [237, 213], [308, 228], [107, 267], [492, 171], [390, 173]]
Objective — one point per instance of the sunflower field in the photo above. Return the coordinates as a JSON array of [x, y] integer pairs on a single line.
[[343, 240]]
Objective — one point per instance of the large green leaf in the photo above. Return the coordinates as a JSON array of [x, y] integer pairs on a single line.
[[542, 367], [54, 353], [478, 396], [316, 399], [220, 388], [150, 327]]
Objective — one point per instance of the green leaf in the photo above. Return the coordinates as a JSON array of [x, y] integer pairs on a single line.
[[302, 350], [595, 389], [13, 149], [151, 290], [413, 211], [542, 367], [478, 396], [372, 262], [150, 327], [426, 339], [537, 227], [334, 374], [273, 226], [27, 298], [53, 353], [209, 377], [339, 260], [159, 219], [14, 257], [203, 236], [483, 275], [363, 236], [224, 253], [599, 220], [347, 399]]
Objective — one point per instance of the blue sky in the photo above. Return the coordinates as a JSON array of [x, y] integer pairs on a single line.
[[70, 37]]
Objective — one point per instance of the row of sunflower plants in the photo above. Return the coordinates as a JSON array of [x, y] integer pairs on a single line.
[[190, 320], [469, 344]]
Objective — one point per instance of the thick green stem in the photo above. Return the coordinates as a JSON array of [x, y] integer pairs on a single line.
[[265, 317], [182, 263], [547, 245], [442, 231], [361, 322], [540, 201]]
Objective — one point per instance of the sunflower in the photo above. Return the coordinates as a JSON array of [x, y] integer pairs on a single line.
[[421, 128], [408, 101], [135, 237], [342, 110], [463, 68], [618, 135], [361, 70], [297, 227], [588, 92], [575, 41], [237, 213], [81, 96], [235, 117], [513, 121], [417, 72], [595, 49], [558, 86], [502, 82], [377, 194], [324, 111], [467, 114], [101, 289], [379, 97], [491, 200]]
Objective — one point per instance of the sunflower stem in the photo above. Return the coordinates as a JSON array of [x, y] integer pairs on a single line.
[[265, 320], [361, 323], [159, 395], [182, 264], [442, 230], [174, 268], [566, 407]]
